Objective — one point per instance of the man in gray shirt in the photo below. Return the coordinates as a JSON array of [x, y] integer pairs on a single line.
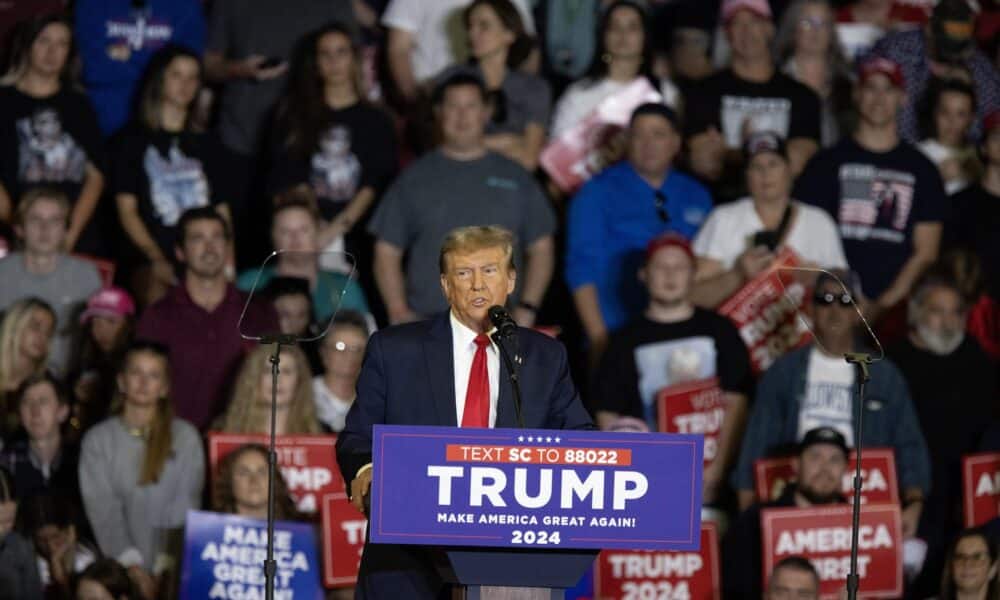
[[459, 184], [43, 268]]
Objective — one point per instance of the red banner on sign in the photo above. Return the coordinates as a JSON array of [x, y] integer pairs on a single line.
[[823, 535], [980, 487], [576, 155], [766, 311], [649, 574], [343, 540], [878, 477], [693, 407], [308, 462]]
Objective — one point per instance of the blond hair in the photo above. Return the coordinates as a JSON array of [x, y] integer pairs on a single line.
[[247, 415], [12, 327], [464, 240]]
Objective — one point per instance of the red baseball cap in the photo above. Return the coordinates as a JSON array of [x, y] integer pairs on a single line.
[[666, 240], [109, 302], [879, 65], [759, 7]]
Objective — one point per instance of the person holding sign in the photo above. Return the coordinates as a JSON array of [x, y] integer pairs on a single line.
[[671, 344], [142, 469], [739, 239], [446, 371], [814, 386], [820, 468], [250, 408]]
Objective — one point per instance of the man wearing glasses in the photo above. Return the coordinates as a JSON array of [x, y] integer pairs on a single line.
[[618, 212], [815, 387]]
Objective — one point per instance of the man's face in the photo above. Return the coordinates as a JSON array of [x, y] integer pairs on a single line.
[[768, 177], [834, 321], [41, 412], [940, 320], [295, 230], [203, 248], [475, 281], [668, 275], [652, 144], [750, 35], [878, 100], [793, 584], [463, 115], [821, 472], [44, 227], [294, 313]]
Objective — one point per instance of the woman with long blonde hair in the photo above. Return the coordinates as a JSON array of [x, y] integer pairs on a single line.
[[25, 334], [141, 469], [250, 408]]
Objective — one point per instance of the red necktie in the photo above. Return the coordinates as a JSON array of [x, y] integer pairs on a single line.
[[477, 395]]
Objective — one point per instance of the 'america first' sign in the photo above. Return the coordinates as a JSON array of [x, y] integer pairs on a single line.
[[539, 488]]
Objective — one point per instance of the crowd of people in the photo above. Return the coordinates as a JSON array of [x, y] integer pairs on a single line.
[[153, 154]]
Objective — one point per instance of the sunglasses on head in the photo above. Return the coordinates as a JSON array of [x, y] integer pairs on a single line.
[[828, 298], [661, 211]]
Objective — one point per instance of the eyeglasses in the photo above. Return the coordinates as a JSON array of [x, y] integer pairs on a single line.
[[661, 202], [828, 298], [342, 347]]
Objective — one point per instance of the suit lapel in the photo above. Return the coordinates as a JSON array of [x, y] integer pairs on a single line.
[[441, 369]]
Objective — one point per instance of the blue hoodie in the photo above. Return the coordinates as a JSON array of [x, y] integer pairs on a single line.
[[116, 41]]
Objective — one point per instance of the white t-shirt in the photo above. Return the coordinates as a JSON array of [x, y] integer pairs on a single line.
[[331, 409], [438, 31], [938, 153], [828, 396], [730, 228], [582, 97]]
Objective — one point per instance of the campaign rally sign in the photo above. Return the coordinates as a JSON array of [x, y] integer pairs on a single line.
[[766, 311], [308, 462], [577, 154], [224, 558], [693, 407], [823, 535], [980, 487], [538, 488], [344, 530], [878, 477], [637, 575]]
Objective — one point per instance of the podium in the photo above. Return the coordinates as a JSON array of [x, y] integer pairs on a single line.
[[501, 574], [522, 514]]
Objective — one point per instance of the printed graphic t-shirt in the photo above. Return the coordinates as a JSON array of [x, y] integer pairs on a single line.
[[827, 399], [47, 141], [876, 198]]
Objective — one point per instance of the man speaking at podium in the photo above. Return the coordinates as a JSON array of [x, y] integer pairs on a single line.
[[447, 371]]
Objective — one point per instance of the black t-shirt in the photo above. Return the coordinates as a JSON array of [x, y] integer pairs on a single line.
[[876, 198], [645, 356], [357, 150], [974, 223], [47, 141], [169, 173], [730, 103]]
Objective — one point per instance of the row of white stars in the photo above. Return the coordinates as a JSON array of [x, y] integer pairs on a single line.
[[539, 439]]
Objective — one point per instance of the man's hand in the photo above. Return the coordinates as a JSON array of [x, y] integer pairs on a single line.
[[525, 317], [753, 261], [252, 67], [711, 479], [911, 518], [359, 489]]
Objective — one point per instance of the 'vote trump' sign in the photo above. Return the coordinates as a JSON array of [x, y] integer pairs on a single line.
[[539, 488]]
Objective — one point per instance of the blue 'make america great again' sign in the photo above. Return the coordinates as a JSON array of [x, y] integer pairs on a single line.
[[539, 488]]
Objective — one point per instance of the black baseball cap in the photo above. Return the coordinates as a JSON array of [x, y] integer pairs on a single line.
[[824, 435], [764, 141]]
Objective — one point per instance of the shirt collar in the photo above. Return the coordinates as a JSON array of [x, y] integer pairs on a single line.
[[463, 336]]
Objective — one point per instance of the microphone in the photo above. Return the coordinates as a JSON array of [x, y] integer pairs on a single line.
[[502, 320]]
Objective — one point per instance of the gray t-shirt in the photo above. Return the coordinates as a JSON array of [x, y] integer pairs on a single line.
[[437, 194], [241, 28], [66, 289]]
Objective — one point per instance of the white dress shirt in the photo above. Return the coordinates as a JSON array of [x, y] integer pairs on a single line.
[[464, 347]]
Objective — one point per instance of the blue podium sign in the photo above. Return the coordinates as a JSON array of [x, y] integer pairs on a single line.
[[224, 558], [536, 488]]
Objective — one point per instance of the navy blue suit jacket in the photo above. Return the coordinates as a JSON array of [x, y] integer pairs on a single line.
[[408, 379]]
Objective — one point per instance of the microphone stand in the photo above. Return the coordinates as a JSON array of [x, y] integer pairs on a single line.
[[861, 361], [515, 379], [270, 565]]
